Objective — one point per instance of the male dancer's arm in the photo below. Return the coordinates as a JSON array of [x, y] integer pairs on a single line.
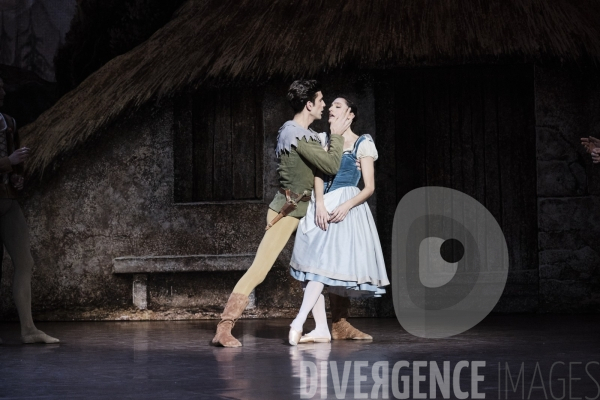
[[325, 161]]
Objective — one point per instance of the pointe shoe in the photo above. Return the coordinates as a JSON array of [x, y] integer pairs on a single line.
[[294, 336], [314, 339]]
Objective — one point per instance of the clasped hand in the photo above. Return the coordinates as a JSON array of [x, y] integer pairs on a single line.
[[323, 218]]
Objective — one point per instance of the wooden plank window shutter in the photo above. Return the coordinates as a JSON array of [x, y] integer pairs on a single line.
[[224, 144]]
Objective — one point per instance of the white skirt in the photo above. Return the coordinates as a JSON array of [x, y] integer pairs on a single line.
[[347, 256]]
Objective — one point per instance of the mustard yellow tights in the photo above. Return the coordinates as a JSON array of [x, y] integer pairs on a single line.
[[271, 245]]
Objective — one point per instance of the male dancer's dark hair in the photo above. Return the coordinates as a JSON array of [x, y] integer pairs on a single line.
[[301, 92]]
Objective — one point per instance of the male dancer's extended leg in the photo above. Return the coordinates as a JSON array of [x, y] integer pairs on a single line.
[[271, 245]]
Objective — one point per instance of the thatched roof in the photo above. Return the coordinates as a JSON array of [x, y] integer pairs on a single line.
[[260, 39]]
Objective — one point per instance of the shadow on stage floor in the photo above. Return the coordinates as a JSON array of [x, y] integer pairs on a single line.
[[552, 355]]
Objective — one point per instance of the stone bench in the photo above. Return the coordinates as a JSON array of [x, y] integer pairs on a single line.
[[141, 266]]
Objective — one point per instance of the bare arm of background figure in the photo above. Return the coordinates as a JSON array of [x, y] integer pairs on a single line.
[[592, 146]]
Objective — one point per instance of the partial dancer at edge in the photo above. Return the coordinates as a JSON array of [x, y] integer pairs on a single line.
[[300, 155], [337, 244], [14, 232]]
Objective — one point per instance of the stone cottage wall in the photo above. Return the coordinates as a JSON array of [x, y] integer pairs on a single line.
[[568, 108], [114, 198]]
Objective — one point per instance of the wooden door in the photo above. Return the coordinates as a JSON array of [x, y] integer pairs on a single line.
[[470, 129]]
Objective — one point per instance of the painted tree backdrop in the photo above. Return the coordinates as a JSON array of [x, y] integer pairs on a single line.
[[31, 35]]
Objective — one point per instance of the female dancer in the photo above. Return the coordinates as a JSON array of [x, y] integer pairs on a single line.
[[337, 243]]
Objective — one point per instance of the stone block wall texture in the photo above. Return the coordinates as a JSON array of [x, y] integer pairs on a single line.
[[114, 197], [567, 108]]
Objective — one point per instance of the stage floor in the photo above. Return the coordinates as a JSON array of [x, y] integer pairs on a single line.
[[174, 360]]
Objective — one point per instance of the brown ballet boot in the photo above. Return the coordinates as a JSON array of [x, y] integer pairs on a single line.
[[340, 328], [233, 310]]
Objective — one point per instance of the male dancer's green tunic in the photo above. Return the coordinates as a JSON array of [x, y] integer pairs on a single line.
[[301, 155]]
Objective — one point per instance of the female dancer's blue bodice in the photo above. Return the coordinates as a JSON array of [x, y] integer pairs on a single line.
[[348, 174]]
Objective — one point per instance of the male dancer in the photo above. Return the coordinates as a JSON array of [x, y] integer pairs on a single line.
[[301, 155], [14, 231]]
